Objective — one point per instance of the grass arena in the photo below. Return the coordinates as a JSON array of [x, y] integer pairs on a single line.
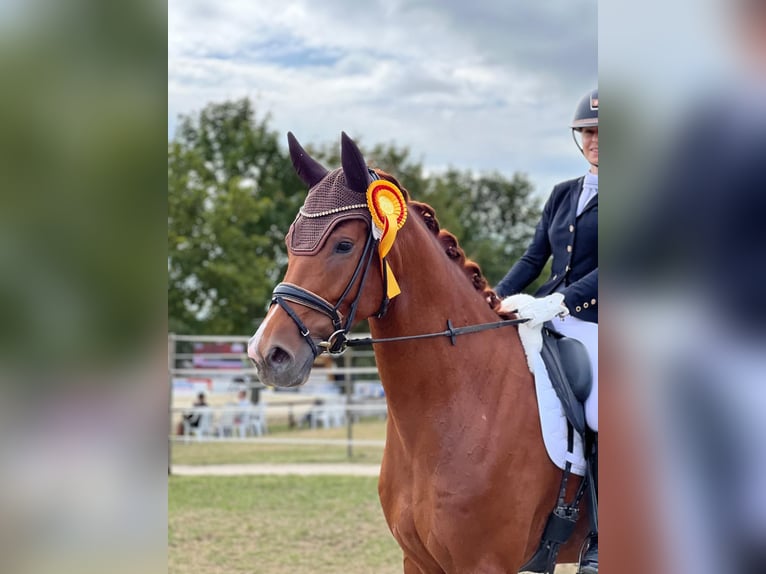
[[281, 524]]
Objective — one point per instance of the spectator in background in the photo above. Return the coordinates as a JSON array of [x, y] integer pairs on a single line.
[[242, 399], [192, 418], [244, 402], [255, 390]]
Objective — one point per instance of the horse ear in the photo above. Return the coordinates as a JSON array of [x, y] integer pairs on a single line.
[[309, 170], [354, 166]]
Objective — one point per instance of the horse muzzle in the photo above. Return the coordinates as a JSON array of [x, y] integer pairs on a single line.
[[277, 365], [279, 368]]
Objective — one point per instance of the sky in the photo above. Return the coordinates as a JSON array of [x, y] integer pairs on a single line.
[[486, 85]]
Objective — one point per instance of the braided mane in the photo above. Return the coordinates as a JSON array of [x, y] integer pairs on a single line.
[[449, 242]]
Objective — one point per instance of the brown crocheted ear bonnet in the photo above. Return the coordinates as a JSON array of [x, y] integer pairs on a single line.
[[332, 198], [327, 204]]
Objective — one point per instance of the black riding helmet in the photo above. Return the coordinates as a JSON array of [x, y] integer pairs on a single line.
[[586, 115]]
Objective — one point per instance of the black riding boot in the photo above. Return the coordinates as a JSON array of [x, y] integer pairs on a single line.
[[589, 563], [590, 560]]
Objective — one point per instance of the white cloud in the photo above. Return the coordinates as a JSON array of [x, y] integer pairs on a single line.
[[485, 85]]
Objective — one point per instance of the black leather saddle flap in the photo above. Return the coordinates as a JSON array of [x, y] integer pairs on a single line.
[[570, 371]]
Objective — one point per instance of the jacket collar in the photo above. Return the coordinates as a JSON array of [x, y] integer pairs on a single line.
[[575, 197]]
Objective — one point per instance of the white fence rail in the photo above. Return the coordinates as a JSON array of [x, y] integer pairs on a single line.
[[342, 394]]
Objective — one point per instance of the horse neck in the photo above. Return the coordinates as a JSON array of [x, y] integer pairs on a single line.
[[425, 374]]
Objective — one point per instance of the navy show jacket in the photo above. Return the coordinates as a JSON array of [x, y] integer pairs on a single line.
[[573, 242]]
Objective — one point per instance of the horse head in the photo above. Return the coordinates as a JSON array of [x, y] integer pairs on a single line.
[[334, 277]]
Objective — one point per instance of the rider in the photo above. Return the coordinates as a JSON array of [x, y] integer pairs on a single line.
[[568, 230]]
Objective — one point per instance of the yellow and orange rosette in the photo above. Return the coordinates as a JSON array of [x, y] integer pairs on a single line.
[[389, 212]]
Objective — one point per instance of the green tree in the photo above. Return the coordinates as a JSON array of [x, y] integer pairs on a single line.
[[232, 194]]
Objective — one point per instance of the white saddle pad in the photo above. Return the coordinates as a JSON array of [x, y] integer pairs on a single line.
[[552, 417], [554, 422]]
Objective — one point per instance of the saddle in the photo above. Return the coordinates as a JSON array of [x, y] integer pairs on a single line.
[[570, 372]]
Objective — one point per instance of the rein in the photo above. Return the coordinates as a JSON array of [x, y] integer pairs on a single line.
[[450, 332]]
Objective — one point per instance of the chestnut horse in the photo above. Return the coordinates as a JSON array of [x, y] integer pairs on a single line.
[[465, 484]]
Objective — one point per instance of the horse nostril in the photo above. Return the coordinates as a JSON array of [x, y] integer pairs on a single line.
[[278, 357]]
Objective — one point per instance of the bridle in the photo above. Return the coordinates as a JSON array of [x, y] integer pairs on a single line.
[[338, 341]]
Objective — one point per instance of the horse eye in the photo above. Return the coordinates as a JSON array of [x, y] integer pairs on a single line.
[[344, 247]]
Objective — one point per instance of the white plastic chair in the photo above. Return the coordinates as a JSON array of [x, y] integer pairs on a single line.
[[240, 421], [331, 413], [203, 426], [226, 423], [257, 419]]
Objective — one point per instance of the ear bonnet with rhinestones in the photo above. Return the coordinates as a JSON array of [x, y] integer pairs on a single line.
[[333, 196]]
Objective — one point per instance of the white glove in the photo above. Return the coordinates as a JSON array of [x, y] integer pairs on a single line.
[[538, 311]]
